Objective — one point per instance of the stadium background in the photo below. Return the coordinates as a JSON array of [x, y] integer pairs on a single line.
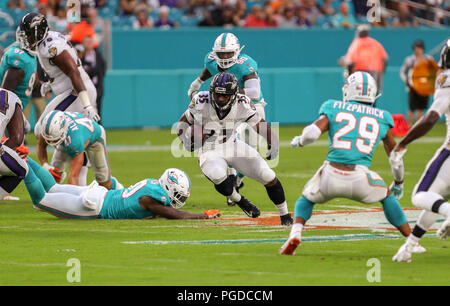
[[150, 70]]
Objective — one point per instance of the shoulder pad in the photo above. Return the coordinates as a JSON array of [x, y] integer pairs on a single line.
[[199, 100], [52, 45]]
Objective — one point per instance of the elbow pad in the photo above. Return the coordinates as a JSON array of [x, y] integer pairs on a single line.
[[310, 134]]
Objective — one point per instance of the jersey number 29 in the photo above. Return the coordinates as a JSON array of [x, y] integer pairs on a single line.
[[367, 127]]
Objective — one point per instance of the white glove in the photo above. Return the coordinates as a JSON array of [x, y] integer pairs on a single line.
[[296, 142], [272, 152], [396, 159], [397, 190], [45, 88], [91, 113], [195, 86]]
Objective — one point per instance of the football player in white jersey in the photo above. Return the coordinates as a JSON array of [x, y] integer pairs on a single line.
[[13, 168], [71, 85], [226, 56], [433, 190], [217, 113]]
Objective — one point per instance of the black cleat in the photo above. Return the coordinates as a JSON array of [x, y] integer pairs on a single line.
[[286, 220], [248, 208]]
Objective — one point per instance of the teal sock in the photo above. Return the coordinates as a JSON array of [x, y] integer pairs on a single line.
[[303, 208], [393, 211], [34, 187], [47, 180], [240, 175]]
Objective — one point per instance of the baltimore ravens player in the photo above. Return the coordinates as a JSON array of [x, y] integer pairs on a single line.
[[18, 74], [73, 134], [433, 189], [218, 112], [226, 56], [355, 129], [13, 167], [73, 89], [144, 200]]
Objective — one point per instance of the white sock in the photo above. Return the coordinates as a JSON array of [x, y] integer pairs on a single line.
[[296, 230], [282, 208], [235, 196]]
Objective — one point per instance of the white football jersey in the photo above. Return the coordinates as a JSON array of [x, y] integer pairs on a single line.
[[202, 113], [441, 103], [8, 102], [54, 44]]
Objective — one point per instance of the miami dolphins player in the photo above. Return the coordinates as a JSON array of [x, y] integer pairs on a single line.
[[226, 56], [73, 134], [355, 129], [146, 199], [18, 74]]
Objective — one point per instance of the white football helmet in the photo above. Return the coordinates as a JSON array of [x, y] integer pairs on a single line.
[[360, 87], [177, 185], [224, 43], [54, 127]]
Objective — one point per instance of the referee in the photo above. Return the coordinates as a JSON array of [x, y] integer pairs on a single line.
[[417, 102]]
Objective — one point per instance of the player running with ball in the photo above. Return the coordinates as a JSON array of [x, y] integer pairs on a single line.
[[355, 129], [218, 112]]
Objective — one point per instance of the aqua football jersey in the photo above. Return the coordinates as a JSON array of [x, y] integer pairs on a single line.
[[355, 130], [124, 203], [15, 57], [82, 133], [244, 65]]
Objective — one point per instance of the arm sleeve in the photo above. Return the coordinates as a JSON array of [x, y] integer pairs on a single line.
[[252, 89]]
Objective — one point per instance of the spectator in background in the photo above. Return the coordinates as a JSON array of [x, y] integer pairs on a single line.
[[59, 22], [367, 54], [171, 3], [17, 4], [404, 18], [220, 16], [143, 21], [417, 102], [312, 11], [256, 18], [100, 3], [271, 17], [288, 19], [164, 22], [95, 67], [344, 19], [84, 28], [327, 10], [360, 8], [126, 7], [302, 19], [240, 12]]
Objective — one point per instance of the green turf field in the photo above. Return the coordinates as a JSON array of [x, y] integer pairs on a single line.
[[232, 251]]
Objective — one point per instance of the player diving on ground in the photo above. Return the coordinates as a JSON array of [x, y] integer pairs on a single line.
[[355, 129], [146, 199]]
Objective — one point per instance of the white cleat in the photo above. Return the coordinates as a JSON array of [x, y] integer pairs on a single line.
[[290, 245], [9, 197], [444, 231], [404, 254], [418, 249]]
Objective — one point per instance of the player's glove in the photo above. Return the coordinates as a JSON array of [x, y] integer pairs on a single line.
[[57, 174], [396, 159], [45, 88], [212, 213], [22, 151], [296, 142], [397, 190], [91, 113], [272, 152]]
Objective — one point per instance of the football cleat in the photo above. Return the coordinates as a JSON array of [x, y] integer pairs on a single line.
[[418, 249], [404, 254], [286, 220], [248, 208], [444, 231], [289, 247]]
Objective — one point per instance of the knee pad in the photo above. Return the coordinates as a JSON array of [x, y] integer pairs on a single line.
[[215, 173], [267, 175]]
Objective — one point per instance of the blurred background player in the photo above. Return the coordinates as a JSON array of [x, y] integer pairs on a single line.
[[226, 56], [13, 167], [433, 188], [18, 74], [73, 134], [69, 82], [367, 54], [417, 102], [218, 112], [355, 130], [146, 199]]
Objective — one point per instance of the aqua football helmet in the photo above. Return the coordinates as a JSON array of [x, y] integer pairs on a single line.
[[177, 185], [226, 50], [54, 127], [360, 87]]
